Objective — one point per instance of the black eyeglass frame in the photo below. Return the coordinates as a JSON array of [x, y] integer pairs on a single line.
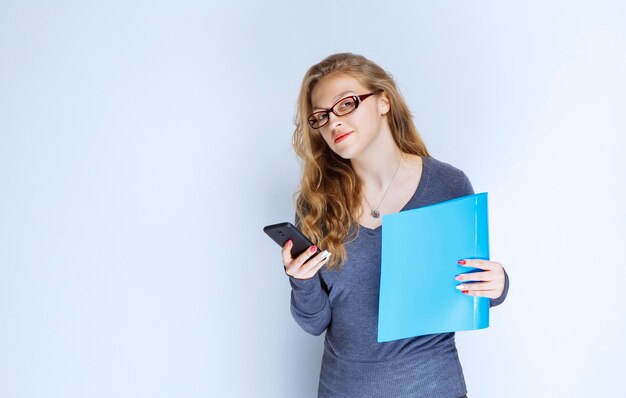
[[357, 101]]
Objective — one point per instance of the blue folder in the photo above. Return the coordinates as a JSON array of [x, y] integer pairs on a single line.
[[420, 250]]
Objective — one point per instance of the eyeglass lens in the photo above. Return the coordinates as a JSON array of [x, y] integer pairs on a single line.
[[341, 108]]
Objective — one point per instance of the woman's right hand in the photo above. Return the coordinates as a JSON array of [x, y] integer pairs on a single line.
[[297, 268]]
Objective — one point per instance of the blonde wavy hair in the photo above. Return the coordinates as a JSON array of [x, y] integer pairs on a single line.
[[328, 201]]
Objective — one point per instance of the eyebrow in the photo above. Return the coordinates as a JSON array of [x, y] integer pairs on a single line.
[[336, 98]]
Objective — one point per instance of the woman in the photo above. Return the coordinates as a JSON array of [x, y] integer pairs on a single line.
[[363, 158]]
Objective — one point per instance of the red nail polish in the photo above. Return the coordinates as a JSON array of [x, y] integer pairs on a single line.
[[465, 291], [289, 242], [461, 261], [313, 249]]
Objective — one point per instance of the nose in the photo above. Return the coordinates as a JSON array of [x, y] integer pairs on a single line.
[[333, 120]]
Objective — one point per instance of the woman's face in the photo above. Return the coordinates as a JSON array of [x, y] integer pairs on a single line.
[[363, 124]]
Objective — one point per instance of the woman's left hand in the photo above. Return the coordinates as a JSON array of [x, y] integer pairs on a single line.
[[490, 282]]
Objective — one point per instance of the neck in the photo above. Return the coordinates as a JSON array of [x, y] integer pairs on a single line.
[[376, 166]]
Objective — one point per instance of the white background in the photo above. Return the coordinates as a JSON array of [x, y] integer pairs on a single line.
[[144, 145]]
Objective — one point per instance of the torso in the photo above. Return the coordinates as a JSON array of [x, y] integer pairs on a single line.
[[418, 365], [400, 192]]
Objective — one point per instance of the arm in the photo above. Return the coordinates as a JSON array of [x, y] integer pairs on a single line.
[[310, 305]]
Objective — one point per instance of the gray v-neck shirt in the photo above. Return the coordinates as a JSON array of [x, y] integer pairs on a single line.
[[345, 305]]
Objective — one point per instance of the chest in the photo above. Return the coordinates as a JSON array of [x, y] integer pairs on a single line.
[[359, 279], [395, 200]]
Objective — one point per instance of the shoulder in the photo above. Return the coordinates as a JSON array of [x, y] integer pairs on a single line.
[[441, 169], [447, 179]]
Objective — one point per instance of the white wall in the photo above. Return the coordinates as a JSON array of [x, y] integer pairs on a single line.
[[144, 145]]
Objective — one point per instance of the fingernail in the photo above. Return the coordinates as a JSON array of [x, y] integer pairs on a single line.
[[465, 291], [289, 242], [461, 261], [459, 278], [461, 287], [313, 249]]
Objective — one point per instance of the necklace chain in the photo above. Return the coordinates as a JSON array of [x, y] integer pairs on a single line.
[[374, 211]]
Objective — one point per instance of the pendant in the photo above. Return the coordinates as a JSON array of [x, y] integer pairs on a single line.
[[375, 213]]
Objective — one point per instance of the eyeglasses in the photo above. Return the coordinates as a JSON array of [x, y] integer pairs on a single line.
[[341, 107]]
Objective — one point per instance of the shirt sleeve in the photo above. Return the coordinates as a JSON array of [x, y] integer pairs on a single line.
[[469, 190], [310, 305]]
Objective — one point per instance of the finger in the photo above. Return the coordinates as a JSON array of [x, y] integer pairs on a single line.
[[304, 256], [475, 276], [286, 251], [493, 294], [314, 263], [477, 286], [292, 267], [478, 263], [313, 270], [286, 254]]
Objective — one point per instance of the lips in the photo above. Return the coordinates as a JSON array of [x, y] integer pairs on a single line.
[[342, 135]]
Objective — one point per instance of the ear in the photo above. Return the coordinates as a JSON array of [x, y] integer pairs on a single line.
[[383, 103]]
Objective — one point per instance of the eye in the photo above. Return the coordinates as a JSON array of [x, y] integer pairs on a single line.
[[346, 104], [321, 117]]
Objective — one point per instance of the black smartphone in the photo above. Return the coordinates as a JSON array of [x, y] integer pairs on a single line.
[[282, 232]]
